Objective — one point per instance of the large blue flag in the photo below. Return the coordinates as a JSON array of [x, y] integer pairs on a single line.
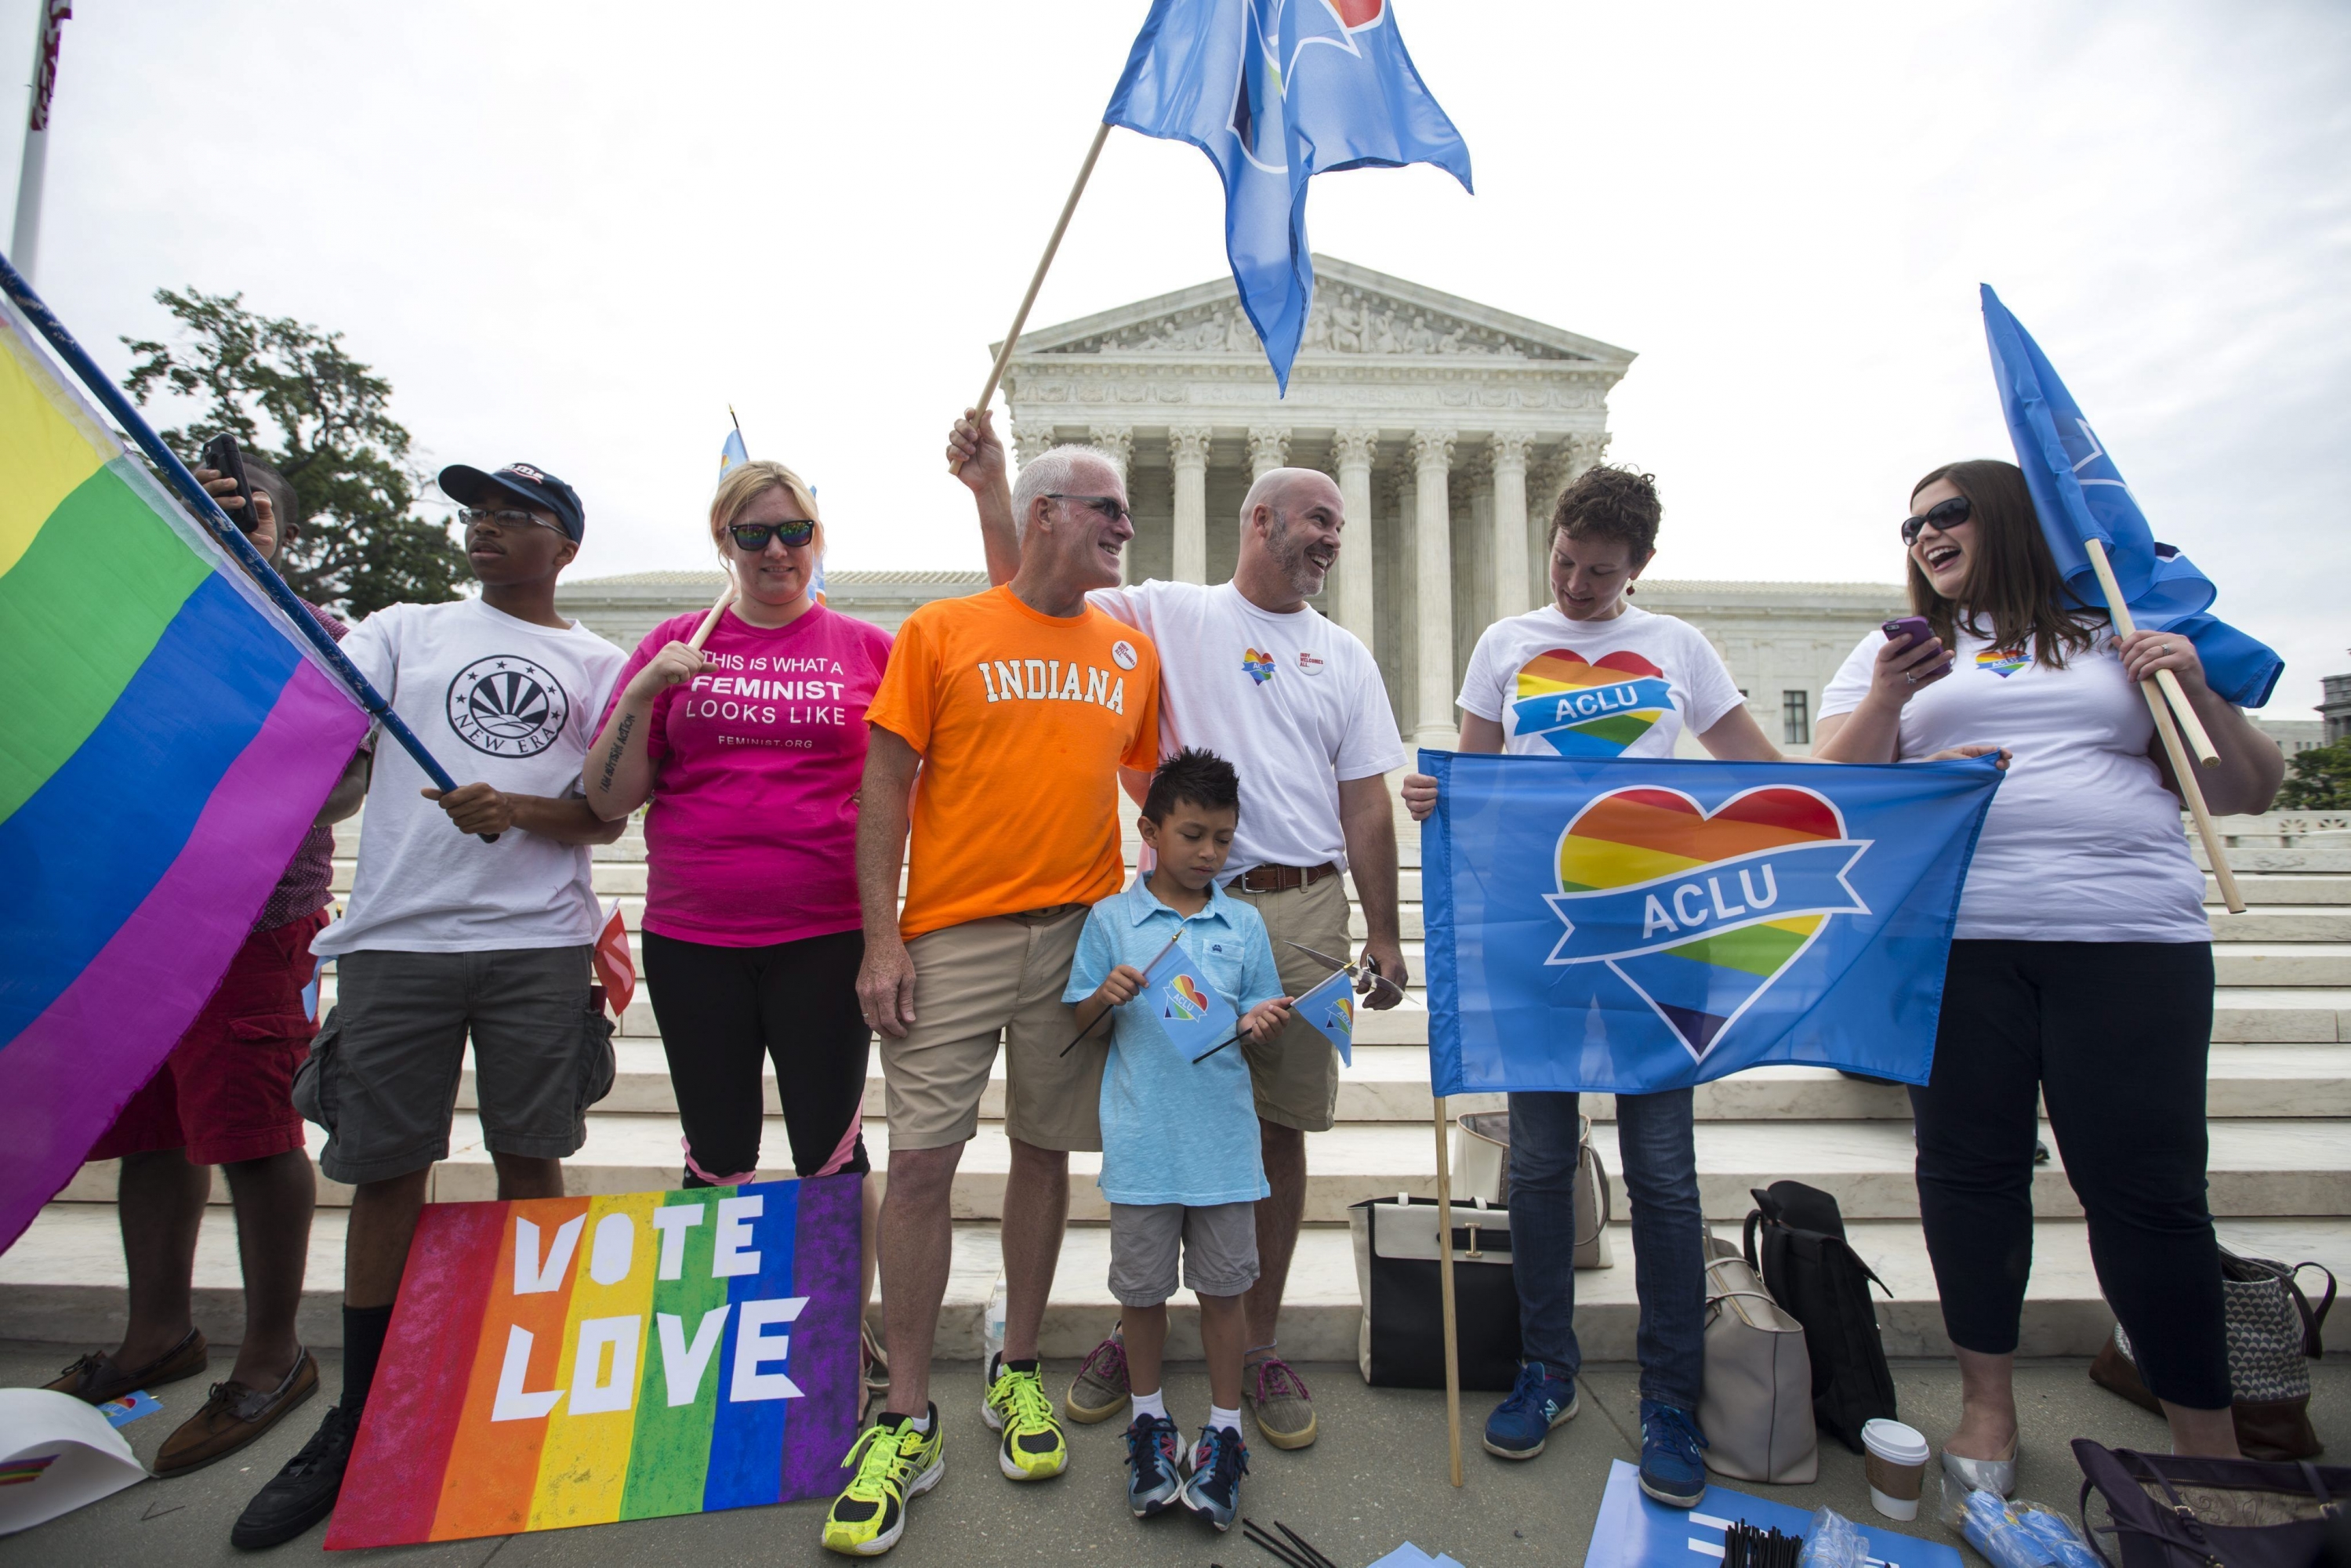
[[1646, 924], [2080, 495], [1275, 92]]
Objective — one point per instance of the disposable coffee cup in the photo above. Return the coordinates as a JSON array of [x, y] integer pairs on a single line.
[[1894, 1456]]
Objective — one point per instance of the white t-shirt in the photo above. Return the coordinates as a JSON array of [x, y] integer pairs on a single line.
[[2082, 843], [1626, 686], [496, 701], [1293, 702]]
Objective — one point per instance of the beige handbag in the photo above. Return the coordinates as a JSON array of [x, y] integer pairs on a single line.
[[1757, 1410], [1481, 1171]]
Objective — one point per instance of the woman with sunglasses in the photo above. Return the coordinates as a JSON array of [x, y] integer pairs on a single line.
[[2080, 974], [751, 751]]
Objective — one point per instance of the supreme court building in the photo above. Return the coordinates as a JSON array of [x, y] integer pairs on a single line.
[[1451, 429]]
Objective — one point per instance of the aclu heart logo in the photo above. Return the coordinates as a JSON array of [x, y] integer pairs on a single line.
[[1186, 1000], [1259, 666], [2002, 661], [1701, 912], [1587, 709]]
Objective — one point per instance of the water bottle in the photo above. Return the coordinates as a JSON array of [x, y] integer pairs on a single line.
[[991, 1328]]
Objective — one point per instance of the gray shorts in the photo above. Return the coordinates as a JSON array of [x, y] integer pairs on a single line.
[[1219, 1248], [382, 1074]]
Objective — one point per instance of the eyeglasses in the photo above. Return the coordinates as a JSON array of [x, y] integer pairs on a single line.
[[506, 518], [751, 538], [1109, 507], [1943, 516]]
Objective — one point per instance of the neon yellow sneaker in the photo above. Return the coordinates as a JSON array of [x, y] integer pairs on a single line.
[[895, 1464], [1018, 1406]]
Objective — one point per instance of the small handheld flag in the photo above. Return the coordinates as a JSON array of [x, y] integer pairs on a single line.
[[2080, 495], [615, 970], [1330, 1006], [1177, 997], [1275, 94]]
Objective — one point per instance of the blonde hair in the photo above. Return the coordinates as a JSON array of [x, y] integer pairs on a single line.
[[745, 483]]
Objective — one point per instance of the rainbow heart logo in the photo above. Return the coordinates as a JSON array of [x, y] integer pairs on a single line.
[[2002, 661], [1582, 709], [1340, 1017], [1700, 911], [1259, 666], [1186, 1000]]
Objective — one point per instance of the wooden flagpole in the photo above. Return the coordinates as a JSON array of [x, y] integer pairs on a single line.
[[2182, 770], [718, 608], [2198, 740], [1044, 264], [1445, 1291]]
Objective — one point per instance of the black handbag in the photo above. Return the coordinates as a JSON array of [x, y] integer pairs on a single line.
[[2169, 1511], [1401, 1344]]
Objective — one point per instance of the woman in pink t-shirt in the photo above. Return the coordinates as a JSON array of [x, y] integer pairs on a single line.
[[751, 752]]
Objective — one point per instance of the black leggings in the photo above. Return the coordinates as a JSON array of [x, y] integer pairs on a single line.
[[721, 1009], [2114, 1036]]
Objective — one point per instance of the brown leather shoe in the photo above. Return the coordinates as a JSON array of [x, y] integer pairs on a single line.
[[234, 1416], [96, 1378]]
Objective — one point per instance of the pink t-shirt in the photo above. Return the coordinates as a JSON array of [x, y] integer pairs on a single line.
[[752, 834]]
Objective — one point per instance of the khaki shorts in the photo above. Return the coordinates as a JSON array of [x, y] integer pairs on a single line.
[[1296, 1074], [974, 983]]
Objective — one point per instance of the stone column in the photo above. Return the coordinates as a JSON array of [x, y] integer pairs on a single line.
[[1116, 442], [1432, 457], [1511, 596], [1029, 445], [1187, 451], [1349, 597], [1268, 448]]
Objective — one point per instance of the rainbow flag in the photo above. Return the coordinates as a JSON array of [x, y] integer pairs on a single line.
[[571, 1361], [169, 743]]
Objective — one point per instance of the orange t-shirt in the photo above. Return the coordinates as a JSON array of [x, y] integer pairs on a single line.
[[1022, 720]]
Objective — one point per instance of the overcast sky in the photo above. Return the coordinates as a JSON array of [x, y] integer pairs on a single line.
[[572, 233]]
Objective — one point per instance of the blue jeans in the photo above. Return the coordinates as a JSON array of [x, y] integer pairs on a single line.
[[1655, 1138]]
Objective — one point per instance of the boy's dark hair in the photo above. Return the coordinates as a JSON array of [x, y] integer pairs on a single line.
[[1609, 503], [1202, 777]]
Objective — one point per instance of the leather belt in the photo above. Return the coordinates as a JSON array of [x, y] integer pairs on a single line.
[[1282, 878], [1046, 915]]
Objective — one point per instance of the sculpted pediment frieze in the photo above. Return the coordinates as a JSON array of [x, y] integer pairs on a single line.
[[1344, 320]]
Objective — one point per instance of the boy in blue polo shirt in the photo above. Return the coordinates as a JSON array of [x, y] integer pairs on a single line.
[[1180, 1164]]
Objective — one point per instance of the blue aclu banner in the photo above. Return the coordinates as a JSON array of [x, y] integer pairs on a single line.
[[1639, 924]]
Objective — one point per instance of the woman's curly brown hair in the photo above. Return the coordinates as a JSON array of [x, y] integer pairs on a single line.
[[1610, 503]]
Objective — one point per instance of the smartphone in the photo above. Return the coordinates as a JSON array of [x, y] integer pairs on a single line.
[[221, 457], [1912, 629]]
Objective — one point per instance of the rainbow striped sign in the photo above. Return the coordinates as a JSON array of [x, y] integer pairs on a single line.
[[571, 1361]]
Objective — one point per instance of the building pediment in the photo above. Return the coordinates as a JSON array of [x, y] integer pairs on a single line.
[[1357, 312]]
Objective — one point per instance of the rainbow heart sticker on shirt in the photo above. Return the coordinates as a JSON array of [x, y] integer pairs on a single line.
[[1186, 1000], [1259, 666], [1701, 912], [2002, 661], [1589, 709]]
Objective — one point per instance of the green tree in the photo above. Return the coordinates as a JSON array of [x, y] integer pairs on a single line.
[[292, 397], [2320, 779]]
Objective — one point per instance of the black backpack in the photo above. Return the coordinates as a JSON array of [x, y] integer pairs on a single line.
[[1822, 1283]]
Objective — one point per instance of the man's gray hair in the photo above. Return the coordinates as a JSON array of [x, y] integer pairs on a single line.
[[1051, 473]]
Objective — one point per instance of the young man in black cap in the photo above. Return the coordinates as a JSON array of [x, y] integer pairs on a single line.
[[446, 935]]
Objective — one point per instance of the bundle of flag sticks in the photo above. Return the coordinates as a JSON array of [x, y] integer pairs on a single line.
[[1299, 1553], [1744, 1546]]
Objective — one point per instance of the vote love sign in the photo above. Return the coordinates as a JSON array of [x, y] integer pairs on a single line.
[[579, 1360]]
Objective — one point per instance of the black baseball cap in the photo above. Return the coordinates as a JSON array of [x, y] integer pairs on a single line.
[[516, 481]]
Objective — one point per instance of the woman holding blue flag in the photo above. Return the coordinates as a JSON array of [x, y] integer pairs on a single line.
[[2081, 968], [1591, 675]]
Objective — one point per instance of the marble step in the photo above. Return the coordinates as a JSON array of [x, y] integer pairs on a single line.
[[1390, 1083], [2257, 1167], [63, 1283]]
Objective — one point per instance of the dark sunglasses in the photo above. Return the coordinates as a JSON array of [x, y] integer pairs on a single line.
[[1109, 507], [1944, 516], [752, 537]]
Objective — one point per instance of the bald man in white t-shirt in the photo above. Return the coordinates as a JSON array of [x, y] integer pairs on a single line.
[[1252, 671]]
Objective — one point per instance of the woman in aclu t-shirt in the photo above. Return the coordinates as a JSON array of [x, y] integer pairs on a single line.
[[2081, 972], [751, 752]]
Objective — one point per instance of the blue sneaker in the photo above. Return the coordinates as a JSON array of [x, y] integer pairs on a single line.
[[1214, 1489], [1671, 1470], [1540, 1400], [1154, 1460]]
